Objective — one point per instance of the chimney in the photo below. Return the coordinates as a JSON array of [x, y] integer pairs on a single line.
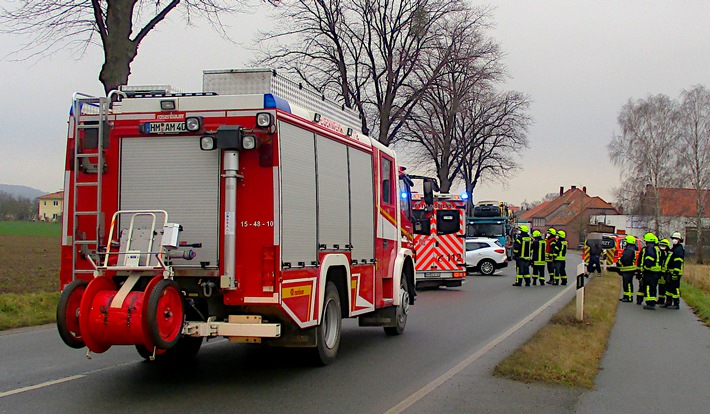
[[574, 187], [584, 189], [562, 191]]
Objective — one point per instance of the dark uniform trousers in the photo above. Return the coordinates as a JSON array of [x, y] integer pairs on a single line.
[[650, 281]]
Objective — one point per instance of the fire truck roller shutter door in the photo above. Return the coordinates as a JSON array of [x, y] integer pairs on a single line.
[[362, 205], [333, 194], [298, 195], [149, 182]]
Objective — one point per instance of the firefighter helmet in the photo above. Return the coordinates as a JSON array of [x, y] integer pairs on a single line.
[[650, 238], [676, 235], [562, 234], [630, 239], [536, 233], [524, 228], [552, 231], [665, 242]]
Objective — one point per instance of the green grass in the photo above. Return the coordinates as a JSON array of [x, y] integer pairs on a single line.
[[30, 228], [28, 309], [533, 362]]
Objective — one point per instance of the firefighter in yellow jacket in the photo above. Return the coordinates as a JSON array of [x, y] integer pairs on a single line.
[[651, 267], [522, 252], [538, 258], [560, 258]]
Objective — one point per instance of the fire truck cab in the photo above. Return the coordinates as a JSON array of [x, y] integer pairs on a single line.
[[440, 243], [253, 211]]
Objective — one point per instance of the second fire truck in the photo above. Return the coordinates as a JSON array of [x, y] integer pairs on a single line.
[[440, 243]]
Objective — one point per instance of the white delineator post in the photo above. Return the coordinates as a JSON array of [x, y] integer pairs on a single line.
[[580, 291]]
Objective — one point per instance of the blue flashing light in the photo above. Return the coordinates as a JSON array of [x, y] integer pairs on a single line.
[[464, 196], [271, 101], [404, 196]]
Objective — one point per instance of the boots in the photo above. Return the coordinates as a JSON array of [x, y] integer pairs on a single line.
[[661, 301], [534, 282], [676, 304], [542, 282]]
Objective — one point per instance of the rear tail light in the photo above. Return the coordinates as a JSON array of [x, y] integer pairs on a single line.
[[500, 251], [459, 274]]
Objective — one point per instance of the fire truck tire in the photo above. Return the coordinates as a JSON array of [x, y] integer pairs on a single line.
[[487, 267], [68, 313], [402, 310], [328, 332], [185, 349], [164, 314]]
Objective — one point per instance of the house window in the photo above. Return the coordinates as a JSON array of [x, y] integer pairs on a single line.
[[45, 203], [56, 203]]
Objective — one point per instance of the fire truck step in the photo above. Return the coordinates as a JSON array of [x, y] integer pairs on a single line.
[[86, 213], [87, 184]]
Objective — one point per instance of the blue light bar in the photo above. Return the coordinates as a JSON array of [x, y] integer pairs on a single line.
[[464, 196], [271, 101]]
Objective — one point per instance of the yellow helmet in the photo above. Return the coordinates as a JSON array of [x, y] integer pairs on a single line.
[[650, 238], [665, 242], [562, 234], [552, 231], [536, 233], [630, 239], [524, 228]]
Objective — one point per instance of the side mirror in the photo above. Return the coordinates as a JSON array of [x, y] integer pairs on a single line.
[[428, 187]]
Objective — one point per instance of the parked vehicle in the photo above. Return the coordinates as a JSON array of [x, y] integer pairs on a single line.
[[254, 211], [485, 255], [439, 242], [492, 219]]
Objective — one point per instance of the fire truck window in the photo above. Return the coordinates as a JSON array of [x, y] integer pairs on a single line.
[[447, 221], [404, 198], [386, 181], [420, 216]]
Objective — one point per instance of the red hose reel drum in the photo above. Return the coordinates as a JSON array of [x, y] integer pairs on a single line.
[[152, 318]]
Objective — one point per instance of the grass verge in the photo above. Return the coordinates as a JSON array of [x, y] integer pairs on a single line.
[[27, 309], [695, 290], [552, 355]]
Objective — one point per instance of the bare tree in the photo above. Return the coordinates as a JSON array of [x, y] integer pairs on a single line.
[[119, 25], [695, 152], [471, 62], [494, 133], [646, 150], [370, 54]]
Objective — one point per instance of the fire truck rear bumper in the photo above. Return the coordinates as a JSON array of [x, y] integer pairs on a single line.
[[238, 326]]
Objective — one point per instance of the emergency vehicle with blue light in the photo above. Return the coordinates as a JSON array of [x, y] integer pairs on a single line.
[[253, 211]]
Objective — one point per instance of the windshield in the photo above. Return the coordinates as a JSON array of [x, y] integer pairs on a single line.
[[486, 230]]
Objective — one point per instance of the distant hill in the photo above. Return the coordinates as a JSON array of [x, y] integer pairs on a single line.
[[22, 191]]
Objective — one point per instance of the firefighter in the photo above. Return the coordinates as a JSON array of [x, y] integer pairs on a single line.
[[665, 246], [522, 252], [628, 267], [651, 267], [560, 258], [675, 270], [550, 239], [539, 247]]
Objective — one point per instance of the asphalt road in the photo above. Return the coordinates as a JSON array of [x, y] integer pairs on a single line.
[[448, 330]]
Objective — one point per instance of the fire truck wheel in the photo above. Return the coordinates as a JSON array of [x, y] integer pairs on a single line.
[[402, 310], [68, 313], [164, 314], [186, 348], [328, 332], [487, 267]]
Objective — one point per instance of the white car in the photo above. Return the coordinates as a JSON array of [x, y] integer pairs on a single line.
[[485, 255]]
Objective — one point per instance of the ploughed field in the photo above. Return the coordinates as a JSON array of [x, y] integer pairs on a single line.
[[29, 263]]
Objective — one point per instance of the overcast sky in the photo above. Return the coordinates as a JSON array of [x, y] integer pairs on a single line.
[[579, 61]]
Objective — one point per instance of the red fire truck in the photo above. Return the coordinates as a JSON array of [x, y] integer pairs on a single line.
[[253, 211], [440, 243]]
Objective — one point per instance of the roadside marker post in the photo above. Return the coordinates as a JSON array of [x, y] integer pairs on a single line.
[[580, 291]]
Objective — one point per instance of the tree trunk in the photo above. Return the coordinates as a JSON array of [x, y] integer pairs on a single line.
[[119, 49]]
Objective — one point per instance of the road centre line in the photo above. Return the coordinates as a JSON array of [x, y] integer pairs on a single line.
[[75, 377], [422, 392]]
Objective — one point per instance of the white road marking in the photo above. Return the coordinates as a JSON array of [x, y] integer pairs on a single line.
[[74, 377], [42, 385], [421, 393]]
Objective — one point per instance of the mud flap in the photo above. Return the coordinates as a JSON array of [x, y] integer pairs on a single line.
[[380, 317]]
